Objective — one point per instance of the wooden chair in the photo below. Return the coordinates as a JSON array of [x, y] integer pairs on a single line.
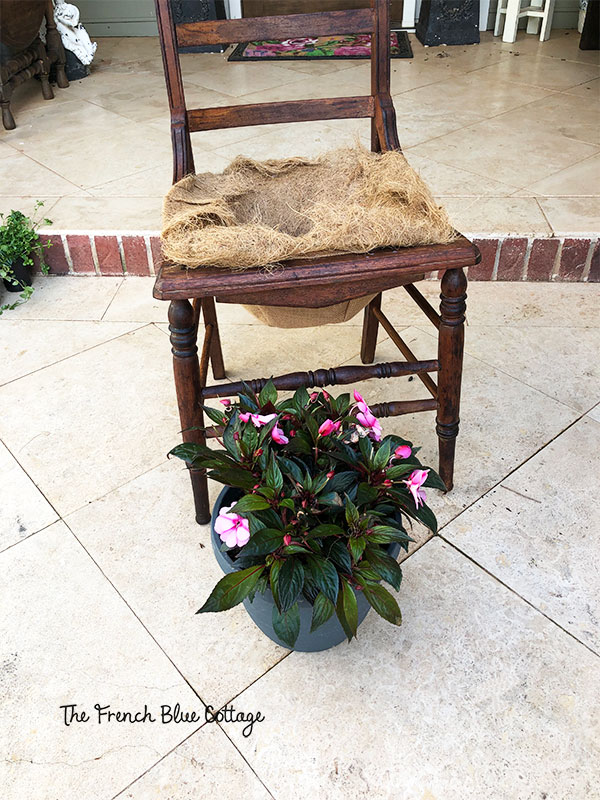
[[314, 282]]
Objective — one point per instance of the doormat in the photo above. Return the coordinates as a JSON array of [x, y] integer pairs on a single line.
[[350, 46]]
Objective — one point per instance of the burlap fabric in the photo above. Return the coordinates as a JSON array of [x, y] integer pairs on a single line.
[[262, 213]]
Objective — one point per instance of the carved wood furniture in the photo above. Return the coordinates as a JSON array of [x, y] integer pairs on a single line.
[[22, 52], [315, 282]]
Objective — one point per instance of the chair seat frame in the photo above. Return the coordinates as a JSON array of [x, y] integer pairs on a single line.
[[315, 282]]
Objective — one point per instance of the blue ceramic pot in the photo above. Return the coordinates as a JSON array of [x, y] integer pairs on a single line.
[[260, 609]]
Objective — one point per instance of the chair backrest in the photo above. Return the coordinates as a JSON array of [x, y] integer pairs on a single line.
[[377, 105]]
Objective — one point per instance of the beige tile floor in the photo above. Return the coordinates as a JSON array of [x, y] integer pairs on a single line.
[[490, 688], [507, 135]]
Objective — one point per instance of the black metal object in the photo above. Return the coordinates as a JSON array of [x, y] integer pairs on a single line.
[[198, 11], [448, 22], [590, 35]]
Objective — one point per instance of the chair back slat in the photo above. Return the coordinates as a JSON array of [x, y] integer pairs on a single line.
[[225, 31], [206, 119]]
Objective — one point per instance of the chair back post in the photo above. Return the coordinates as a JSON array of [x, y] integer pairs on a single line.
[[183, 158], [384, 134]]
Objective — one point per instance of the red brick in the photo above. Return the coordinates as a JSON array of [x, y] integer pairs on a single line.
[[512, 258], [81, 253], [541, 259], [594, 276], [55, 256], [156, 251], [136, 255], [572, 259], [485, 269], [109, 257]]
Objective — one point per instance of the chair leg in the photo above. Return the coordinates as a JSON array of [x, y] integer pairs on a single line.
[[183, 328], [216, 354], [369, 332], [450, 356]]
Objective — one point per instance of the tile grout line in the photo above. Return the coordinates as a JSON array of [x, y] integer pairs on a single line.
[[111, 301], [520, 596]]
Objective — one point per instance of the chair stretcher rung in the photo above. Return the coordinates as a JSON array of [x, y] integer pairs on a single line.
[[327, 377]]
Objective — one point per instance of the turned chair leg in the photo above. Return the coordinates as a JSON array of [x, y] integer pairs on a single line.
[[209, 313], [183, 328], [369, 332], [450, 355]]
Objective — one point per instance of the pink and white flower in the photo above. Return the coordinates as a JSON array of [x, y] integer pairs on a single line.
[[328, 427], [403, 451], [278, 435], [232, 528], [370, 423], [257, 419], [415, 481]]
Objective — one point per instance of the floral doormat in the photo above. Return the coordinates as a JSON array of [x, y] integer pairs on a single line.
[[350, 46]]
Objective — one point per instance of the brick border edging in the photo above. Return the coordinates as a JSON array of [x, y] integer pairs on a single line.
[[503, 258]]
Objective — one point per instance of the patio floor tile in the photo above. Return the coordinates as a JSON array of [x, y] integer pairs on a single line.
[[111, 415], [475, 695], [206, 765], [69, 638], [537, 531], [23, 508], [491, 443], [220, 654], [60, 298]]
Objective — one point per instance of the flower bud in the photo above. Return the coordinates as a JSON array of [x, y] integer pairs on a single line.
[[330, 474], [387, 482], [236, 435], [287, 539], [258, 452]]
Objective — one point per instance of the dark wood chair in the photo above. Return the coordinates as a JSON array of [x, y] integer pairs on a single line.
[[315, 282]]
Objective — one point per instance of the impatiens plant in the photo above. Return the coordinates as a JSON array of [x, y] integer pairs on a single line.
[[322, 495]]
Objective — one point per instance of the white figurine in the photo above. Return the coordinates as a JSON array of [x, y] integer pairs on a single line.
[[74, 36]]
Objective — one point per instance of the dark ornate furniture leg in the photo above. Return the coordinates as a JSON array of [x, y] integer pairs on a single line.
[[209, 313], [188, 385], [369, 332], [55, 48], [450, 355]]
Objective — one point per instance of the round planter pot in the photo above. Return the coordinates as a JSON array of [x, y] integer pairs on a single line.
[[260, 609], [22, 273]]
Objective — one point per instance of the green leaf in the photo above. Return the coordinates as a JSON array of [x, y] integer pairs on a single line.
[[287, 624], [273, 476], [323, 608], [287, 502], [384, 534], [331, 499], [321, 531], [240, 478], [383, 602], [340, 556], [292, 469], [301, 398], [290, 549], [274, 581], [347, 609], [232, 589], [268, 394], [291, 578], [386, 567], [265, 541], [434, 481], [382, 456], [250, 502], [352, 515], [342, 481], [366, 494], [325, 575], [214, 414], [399, 470], [357, 546]]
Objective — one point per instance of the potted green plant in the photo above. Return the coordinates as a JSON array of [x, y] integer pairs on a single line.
[[313, 514], [19, 243]]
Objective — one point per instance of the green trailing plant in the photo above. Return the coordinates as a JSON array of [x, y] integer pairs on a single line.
[[322, 494], [19, 239]]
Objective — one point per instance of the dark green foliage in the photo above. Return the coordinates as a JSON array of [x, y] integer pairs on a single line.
[[321, 510], [19, 240]]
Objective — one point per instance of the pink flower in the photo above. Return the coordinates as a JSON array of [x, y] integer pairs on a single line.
[[366, 418], [225, 402], [287, 539], [278, 435], [404, 451], [232, 528], [415, 480], [257, 419], [328, 427]]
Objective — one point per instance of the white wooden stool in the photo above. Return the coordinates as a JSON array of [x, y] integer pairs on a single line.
[[536, 11]]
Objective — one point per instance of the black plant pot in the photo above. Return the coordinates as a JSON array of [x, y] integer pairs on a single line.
[[22, 273], [260, 609]]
